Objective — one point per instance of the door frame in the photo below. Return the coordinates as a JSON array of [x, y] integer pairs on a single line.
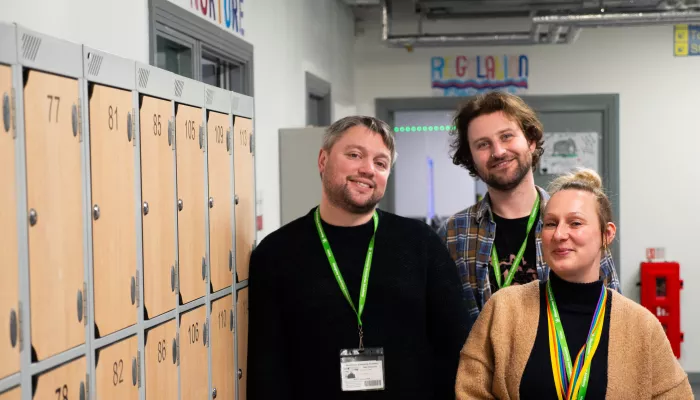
[[606, 103]]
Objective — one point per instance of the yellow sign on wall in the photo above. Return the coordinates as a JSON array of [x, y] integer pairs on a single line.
[[686, 40]]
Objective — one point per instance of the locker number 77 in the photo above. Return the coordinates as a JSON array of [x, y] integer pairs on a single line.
[[58, 103]]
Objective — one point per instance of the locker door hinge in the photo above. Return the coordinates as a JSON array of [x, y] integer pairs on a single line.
[[20, 317], [138, 296], [177, 278], [80, 124], [138, 367], [13, 113], [133, 127], [85, 303], [177, 344]]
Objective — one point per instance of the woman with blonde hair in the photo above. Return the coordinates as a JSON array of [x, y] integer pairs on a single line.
[[570, 337]]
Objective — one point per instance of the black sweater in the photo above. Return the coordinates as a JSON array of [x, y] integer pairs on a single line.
[[300, 320], [576, 303]]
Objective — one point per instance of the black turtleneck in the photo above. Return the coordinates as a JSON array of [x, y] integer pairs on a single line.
[[576, 303]]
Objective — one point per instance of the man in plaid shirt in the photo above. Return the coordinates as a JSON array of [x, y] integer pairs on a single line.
[[498, 138]]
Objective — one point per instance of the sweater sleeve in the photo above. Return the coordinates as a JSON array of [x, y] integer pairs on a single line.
[[670, 382], [476, 363], [448, 319], [266, 349]]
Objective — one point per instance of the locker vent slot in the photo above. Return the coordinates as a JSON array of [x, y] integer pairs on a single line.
[[178, 87], [143, 77], [95, 64], [210, 96], [30, 46]]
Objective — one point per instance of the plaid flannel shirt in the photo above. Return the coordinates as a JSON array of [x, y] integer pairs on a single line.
[[469, 236]]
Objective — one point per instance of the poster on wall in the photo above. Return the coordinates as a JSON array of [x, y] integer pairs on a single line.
[[566, 151], [469, 75], [686, 40]]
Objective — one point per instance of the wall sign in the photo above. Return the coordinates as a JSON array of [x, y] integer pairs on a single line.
[[468, 75], [227, 14], [686, 40], [565, 151]]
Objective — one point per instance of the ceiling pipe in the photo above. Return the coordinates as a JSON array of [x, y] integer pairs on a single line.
[[555, 23]]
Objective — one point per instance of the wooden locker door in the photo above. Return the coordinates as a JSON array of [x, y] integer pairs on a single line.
[[158, 208], [161, 362], [220, 223], [191, 202], [116, 371], [245, 195], [112, 155], [54, 201], [223, 374], [9, 284], [194, 368], [242, 333], [12, 394], [65, 382]]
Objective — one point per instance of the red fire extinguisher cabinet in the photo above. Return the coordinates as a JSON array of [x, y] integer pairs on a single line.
[[660, 293]]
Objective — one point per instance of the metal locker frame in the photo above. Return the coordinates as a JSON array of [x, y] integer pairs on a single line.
[[8, 56], [26, 49], [107, 69], [243, 106], [219, 100]]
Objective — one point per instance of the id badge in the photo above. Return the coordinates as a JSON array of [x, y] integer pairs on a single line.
[[362, 370]]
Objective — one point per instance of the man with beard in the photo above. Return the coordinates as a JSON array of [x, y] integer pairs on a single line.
[[498, 138], [321, 325]]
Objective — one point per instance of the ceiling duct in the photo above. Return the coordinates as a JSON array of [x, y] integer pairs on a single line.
[[553, 29]]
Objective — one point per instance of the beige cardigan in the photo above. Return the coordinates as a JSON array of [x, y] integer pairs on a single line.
[[641, 364]]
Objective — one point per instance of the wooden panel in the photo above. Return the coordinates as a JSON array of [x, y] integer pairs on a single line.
[[242, 334], [244, 185], [114, 230], [220, 228], [223, 374], [116, 371], [9, 284], [12, 394], [54, 196], [158, 191], [63, 383], [161, 362], [190, 191], [193, 356]]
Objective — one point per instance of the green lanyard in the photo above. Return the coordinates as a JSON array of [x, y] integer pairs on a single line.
[[494, 256], [571, 381], [339, 276]]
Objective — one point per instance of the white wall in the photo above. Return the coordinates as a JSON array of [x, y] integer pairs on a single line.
[[299, 36], [289, 38], [659, 133]]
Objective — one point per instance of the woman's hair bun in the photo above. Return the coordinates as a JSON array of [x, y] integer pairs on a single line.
[[580, 178]]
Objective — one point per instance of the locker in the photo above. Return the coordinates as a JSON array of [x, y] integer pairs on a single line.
[[161, 359], [244, 193], [116, 371], [193, 357], [220, 190], [191, 201], [65, 382], [158, 208], [242, 342], [54, 203], [223, 374], [12, 394], [113, 227], [9, 284]]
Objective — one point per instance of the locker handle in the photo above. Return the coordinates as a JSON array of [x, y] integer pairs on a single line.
[[213, 393], [80, 305], [230, 260], [231, 321], [74, 119], [13, 328], [204, 268], [128, 126], [96, 212], [211, 202], [82, 390], [145, 208], [133, 371], [240, 373], [235, 199], [172, 278], [180, 204], [133, 290]]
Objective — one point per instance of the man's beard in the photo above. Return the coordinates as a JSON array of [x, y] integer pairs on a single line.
[[340, 196], [506, 183]]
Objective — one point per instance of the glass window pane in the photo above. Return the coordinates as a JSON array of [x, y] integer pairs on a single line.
[[173, 56], [236, 77], [211, 71]]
